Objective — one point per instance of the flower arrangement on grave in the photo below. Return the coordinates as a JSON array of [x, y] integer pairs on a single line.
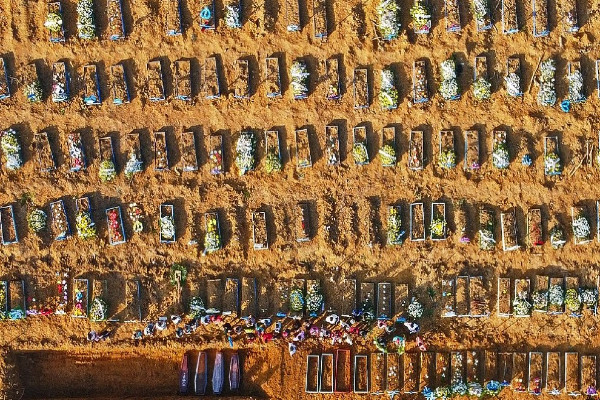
[[33, 91], [486, 236], [107, 171], [177, 275], [540, 300], [547, 93], [114, 226], [85, 19], [11, 147], [394, 224], [447, 159], [557, 237], [421, 16], [388, 19], [296, 300], [415, 309], [212, 239], [233, 17], [272, 161], [98, 310], [299, 82], [86, 228], [575, 80], [245, 152], [314, 300], [556, 297], [359, 153], [136, 215], [438, 228], [552, 163], [196, 307], [387, 154], [388, 94], [500, 155], [133, 165], [573, 300], [53, 22], [481, 12], [449, 84], [482, 89], [521, 306], [581, 228], [513, 84], [167, 227]]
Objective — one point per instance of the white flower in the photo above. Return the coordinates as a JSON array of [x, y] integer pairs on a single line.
[[232, 16], [415, 309], [547, 93], [576, 86], [513, 84], [581, 227], [556, 295]]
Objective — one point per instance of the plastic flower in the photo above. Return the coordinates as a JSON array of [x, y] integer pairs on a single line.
[[133, 166], [245, 150], [98, 310], [388, 96], [438, 228], [447, 159], [547, 93], [167, 227], [196, 307], [415, 309], [552, 163], [540, 300], [500, 156], [296, 300], [481, 12], [589, 297], [86, 228], [486, 237], [11, 147], [360, 154], [299, 81], [53, 22], [36, 220], [107, 171], [573, 300], [576, 87], [556, 296], [526, 160], [387, 155], [449, 84], [513, 84], [492, 388], [394, 222], [482, 89], [388, 19], [33, 91], [273, 162], [421, 17], [521, 306], [232, 16], [85, 19], [212, 239], [581, 228], [557, 238]]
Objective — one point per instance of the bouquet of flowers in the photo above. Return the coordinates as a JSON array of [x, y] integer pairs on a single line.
[[394, 223], [177, 275], [492, 388], [299, 81], [107, 171], [216, 161], [421, 16], [53, 22], [547, 93], [75, 151], [197, 308], [133, 166], [136, 215], [232, 16], [367, 310], [415, 309], [589, 297], [98, 310], [85, 19], [114, 226], [359, 153], [513, 84], [500, 156], [556, 297], [459, 388], [475, 389], [438, 228], [482, 89], [387, 155], [272, 162], [245, 150], [212, 239], [388, 96], [314, 300], [11, 147], [486, 237], [388, 19], [449, 84], [78, 307], [447, 159], [33, 91], [581, 228], [442, 393], [296, 300], [573, 300], [540, 300], [557, 237], [521, 306], [576, 87], [552, 164], [526, 160], [481, 11], [167, 227], [86, 228]]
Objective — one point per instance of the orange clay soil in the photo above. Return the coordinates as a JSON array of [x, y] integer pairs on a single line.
[[50, 357]]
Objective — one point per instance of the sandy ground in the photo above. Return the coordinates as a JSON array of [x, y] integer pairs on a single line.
[[341, 198]]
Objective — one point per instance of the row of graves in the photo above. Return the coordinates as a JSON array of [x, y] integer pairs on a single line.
[[440, 375], [231, 15], [387, 18], [252, 149], [461, 296], [212, 81]]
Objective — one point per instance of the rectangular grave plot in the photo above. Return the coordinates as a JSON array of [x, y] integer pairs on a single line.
[[513, 67], [80, 298], [388, 142], [452, 13], [417, 222], [474, 366], [410, 379], [556, 303], [588, 374], [535, 236], [56, 36], [552, 164], [415, 151], [77, 160], [505, 368], [273, 77], [60, 82], [509, 17], [572, 373], [116, 231], [303, 153], [343, 376], [427, 371], [447, 145], [540, 291], [504, 297], [91, 85], [361, 374], [45, 156], [572, 284], [378, 373], [522, 291], [8, 225], [576, 213], [332, 144], [508, 222], [259, 230], [207, 14], [457, 367], [118, 85], [490, 366], [401, 299], [327, 373], [570, 16], [361, 88], [282, 298], [519, 378], [161, 157], [303, 227], [215, 154], [442, 369], [59, 225], [241, 85], [17, 304], [320, 19], [183, 80], [105, 145], [534, 372], [231, 297], [487, 228], [367, 297], [116, 24], [384, 301], [172, 15], [133, 306], [392, 379], [348, 296], [554, 373], [478, 297], [248, 305], [189, 155], [214, 295], [449, 297], [100, 290], [540, 18], [265, 300], [480, 69], [462, 296], [332, 71], [312, 374], [155, 84], [3, 299], [211, 86], [472, 162], [292, 15], [4, 83], [419, 82]]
